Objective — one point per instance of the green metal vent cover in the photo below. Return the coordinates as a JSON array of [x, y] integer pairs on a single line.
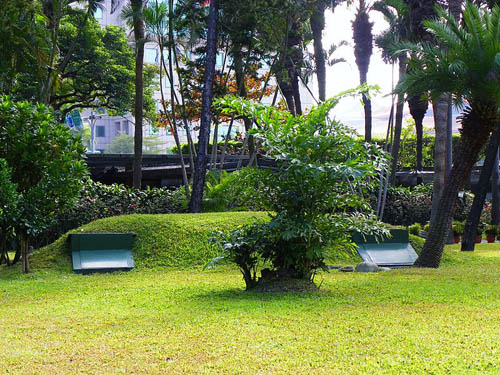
[[391, 252], [102, 252]]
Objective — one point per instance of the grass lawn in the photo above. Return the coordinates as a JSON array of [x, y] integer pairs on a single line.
[[171, 321]]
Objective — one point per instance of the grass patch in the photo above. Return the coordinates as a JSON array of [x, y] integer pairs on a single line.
[[174, 240], [408, 321]]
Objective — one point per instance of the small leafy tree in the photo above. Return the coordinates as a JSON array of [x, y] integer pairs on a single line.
[[315, 194], [47, 165]]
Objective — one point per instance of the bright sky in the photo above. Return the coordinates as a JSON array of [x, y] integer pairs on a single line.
[[344, 76]]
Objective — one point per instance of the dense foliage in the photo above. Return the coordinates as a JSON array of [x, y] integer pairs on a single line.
[[405, 206], [46, 162], [9, 209], [99, 201], [311, 194]]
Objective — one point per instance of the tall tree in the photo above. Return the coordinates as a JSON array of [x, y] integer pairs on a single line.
[[397, 16], [463, 63], [469, 237], [363, 48], [137, 7], [420, 10], [206, 113]]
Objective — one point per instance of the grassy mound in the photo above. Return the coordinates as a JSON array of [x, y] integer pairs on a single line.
[[175, 240]]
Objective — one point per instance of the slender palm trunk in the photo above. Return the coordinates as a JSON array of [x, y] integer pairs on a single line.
[[418, 108], [398, 126], [476, 127], [317, 22], [469, 237], [495, 193], [206, 113], [440, 107], [137, 6]]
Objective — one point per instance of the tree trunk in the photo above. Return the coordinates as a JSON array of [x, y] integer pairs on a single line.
[[495, 193], [469, 237], [317, 22], [397, 127], [440, 107], [476, 127], [418, 108], [206, 113], [24, 252], [137, 6]]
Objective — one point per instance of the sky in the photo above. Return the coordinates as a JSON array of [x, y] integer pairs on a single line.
[[345, 76]]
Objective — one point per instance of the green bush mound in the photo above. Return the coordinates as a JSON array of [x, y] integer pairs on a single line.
[[172, 240]]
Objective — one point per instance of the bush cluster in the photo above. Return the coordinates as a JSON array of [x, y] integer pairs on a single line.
[[98, 201], [233, 147], [406, 206]]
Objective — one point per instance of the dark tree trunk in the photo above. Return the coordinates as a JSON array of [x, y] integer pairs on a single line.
[[24, 252], [317, 22], [418, 108], [476, 127], [287, 91], [242, 91], [367, 107], [363, 48], [137, 6], [206, 113], [440, 107], [294, 61], [469, 237], [397, 126], [495, 193]]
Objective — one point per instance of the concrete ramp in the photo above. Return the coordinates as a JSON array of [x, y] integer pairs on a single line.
[[102, 252], [390, 252]]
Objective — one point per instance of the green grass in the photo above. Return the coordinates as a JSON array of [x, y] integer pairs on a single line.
[[158, 319], [412, 321], [176, 240]]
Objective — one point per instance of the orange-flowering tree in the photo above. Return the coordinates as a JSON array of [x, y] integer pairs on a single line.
[[192, 74]]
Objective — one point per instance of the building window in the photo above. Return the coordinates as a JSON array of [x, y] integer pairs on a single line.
[[117, 128], [125, 127], [98, 13], [100, 131], [150, 55]]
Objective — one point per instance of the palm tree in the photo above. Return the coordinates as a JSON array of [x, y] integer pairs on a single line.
[[363, 47], [462, 62], [396, 14]]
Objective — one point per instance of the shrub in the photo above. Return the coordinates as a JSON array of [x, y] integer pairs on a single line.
[[9, 209], [480, 229], [99, 201], [311, 193], [46, 161], [491, 230], [426, 227], [405, 206], [415, 229], [233, 147], [237, 191], [458, 228]]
